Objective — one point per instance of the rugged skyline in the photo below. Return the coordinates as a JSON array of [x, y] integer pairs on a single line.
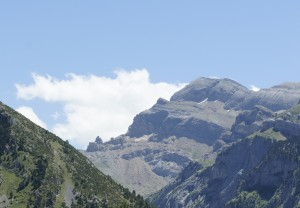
[[175, 42], [198, 123], [100, 105]]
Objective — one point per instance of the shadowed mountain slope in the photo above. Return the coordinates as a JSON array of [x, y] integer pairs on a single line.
[[259, 170], [198, 121]]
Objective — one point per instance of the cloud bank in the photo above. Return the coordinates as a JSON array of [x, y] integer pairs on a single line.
[[254, 88], [96, 105], [31, 115]]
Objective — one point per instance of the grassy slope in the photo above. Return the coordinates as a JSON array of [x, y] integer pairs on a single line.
[[38, 169]]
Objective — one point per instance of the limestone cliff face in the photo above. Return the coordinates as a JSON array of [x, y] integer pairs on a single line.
[[144, 164], [197, 123], [264, 168], [249, 122], [223, 90], [204, 122], [236, 96], [276, 98], [259, 171], [206, 109], [287, 128]]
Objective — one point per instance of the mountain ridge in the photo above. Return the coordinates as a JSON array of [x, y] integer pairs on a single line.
[[38, 169], [264, 188], [259, 170], [203, 116]]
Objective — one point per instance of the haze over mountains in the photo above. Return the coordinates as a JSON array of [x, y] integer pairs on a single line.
[[175, 139]]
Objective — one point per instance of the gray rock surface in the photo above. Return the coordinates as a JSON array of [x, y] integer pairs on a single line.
[[223, 90], [249, 122], [236, 96], [199, 121], [287, 128], [147, 166], [4, 201], [249, 166], [276, 98], [204, 122], [262, 170], [98, 140]]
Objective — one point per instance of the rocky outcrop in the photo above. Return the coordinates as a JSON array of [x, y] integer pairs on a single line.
[[96, 146], [160, 162], [262, 167], [98, 140], [236, 96], [204, 122], [280, 97], [287, 128], [208, 115], [223, 90], [249, 122], [206, 109], [113, 144], [261, 170], [286, 123]]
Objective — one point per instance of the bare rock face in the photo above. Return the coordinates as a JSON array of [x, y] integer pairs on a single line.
[[145, 165], [280, 97], [223, 90], [204, 122], [259, 171], [287, 123], [236, 96], [98, 140], [256, 168], [249, 122], [198, 122], [96, 146], [287, 128]]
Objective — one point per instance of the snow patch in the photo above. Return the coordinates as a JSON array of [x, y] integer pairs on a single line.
[[203, 101]]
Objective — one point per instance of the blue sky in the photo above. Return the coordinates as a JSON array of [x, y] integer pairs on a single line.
[[253, 42]]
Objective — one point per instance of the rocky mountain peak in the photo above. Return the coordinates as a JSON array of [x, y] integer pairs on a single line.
[[258, 170], [279, 97], [288, 86], [161, 101], [198, 122], [98, 140], [211, 89]]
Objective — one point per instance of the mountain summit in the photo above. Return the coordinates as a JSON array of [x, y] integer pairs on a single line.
[[259, 170], [196, 124], [236, 96], [223, 90]]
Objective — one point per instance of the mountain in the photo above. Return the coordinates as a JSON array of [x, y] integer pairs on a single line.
[[194, 126], [38, 169], [260, 170], [226, 91], [238, 97]]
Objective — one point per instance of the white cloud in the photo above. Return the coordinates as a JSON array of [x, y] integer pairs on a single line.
[[254, 88], [55, 115], [31, 115], [95, 105]]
